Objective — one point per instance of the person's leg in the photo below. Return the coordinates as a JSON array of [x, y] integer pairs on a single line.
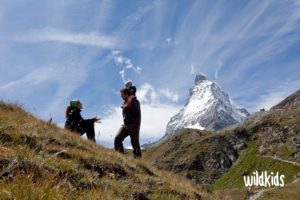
[[89, 130], [91, 133], [134, 131], [122, 134]]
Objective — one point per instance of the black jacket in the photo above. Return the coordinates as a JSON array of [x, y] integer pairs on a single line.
[[132, 114], [75, 122]]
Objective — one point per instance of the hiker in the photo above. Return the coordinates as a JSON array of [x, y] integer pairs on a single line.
[[76, 123], [131, 127]]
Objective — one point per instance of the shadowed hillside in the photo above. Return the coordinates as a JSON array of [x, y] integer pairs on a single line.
[[42, 161]]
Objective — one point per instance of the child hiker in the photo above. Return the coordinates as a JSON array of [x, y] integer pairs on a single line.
[[77, 124]]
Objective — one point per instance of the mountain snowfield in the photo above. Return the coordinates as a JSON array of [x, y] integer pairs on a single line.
[[208, 107]]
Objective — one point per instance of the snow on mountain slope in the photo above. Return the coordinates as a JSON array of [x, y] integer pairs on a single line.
[[208, 107]]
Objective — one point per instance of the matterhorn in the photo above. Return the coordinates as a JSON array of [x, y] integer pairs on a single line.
[[208, 107]]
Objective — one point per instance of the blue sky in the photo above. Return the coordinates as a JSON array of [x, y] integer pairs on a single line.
[[54, 51]]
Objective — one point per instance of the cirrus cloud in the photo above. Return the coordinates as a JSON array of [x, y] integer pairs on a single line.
[[94, 39]]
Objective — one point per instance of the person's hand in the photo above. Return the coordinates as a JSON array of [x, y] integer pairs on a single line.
[[96, 120]]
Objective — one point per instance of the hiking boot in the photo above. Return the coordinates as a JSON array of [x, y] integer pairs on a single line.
[[137, 154]]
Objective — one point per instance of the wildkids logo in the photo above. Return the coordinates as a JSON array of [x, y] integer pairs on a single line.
[[264, 179]]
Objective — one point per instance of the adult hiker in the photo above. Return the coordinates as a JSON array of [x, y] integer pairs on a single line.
[[131, 127], [76, 123]]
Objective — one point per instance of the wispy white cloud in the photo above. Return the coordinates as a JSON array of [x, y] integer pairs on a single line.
[[168, 41], [275, 95], [94, 39], [125, 64], [169, 94], [219, 67], [240, 43], [33, 78], [233, 37], [150, 95], [274, 30], [62, 78], [193, 69], [109, 126]]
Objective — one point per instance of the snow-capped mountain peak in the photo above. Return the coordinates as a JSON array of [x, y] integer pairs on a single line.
[[208, 107]]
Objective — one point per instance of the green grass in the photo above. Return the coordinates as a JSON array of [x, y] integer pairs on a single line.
[[24, 188], [248, 163], [286, 151], [184, 147]]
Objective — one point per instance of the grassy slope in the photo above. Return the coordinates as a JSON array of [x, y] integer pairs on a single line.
[[250, 162], [187, 144], [259, 123], [258, 127], [184, 147], [41, 161]]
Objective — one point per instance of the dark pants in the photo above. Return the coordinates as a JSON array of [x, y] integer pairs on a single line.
[[88, 128], [129, 130]]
